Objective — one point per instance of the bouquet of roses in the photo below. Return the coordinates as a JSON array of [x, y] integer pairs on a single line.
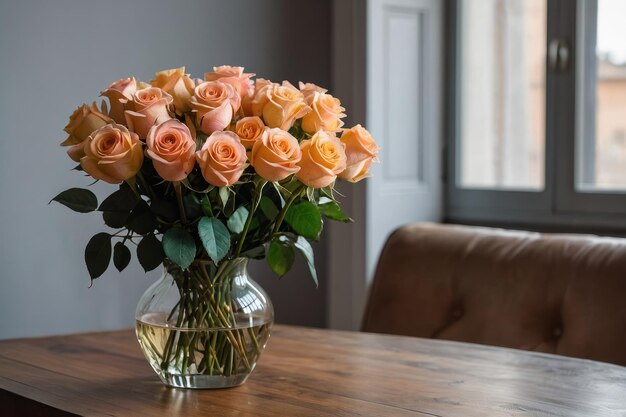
[[211, 171]]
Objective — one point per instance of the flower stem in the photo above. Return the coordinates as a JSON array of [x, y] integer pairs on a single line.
[[281, 216], [255, 202], [145, 185], [179, 199]]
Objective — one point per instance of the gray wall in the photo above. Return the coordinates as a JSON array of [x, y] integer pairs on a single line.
[[58, 54]]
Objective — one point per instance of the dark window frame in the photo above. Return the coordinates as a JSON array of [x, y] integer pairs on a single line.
[[559, 206]]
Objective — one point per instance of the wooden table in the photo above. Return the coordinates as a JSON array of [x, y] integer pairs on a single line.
[[310, 372]]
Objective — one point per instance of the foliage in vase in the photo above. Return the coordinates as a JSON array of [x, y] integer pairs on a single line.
[[211, 170]]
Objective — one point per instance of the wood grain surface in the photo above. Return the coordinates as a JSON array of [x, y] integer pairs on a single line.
[[310, 372]]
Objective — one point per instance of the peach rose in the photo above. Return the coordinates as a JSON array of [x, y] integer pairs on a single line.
[[326, 115], [83, 122], [285, 104], [276, 155], [222, 159], [172, 149], [148, 107], [308, 89], [253, 104], [233, 76], [361, 150], [112, 154], [215, 104], [249, 130], [119, 93], [323, 157], [177, 84]]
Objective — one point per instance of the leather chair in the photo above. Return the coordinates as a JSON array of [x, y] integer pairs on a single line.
[[555, 293]]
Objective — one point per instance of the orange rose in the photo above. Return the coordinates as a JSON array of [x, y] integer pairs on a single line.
[[249, 130], [308, 89], [112, 154], [215, 104], [285, 104], [253, 104], [326, 115], [148, 107], [172, 149], [119, 93], [177, 84], [323, 157], [222, 159], [83, 122], [361, 150], [233, 76], [276, 155]]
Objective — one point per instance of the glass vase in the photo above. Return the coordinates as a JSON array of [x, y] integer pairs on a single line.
[[204, 327]]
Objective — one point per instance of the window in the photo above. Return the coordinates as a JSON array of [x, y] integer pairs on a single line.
[[538, 112], [601, 143], [502, 91]]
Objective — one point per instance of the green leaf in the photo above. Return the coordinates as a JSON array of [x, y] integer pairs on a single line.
[[141, 220], [237, 220], [206, 206], [98, 254], [121, 256], [305, 219], [224, 193], [193, 208], [215, 237], [306, 250], [150, 252], [255, 223], [78, 199], [334, 212], [115, 219], [179, 246], [123, 199], [268, 207], [165, 209], [280, 256]]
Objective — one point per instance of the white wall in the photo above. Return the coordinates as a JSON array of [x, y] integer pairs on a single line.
[[55, 55]]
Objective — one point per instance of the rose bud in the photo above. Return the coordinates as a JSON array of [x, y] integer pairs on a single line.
[[285, 104], [148, 107], [233, 76], [119, 93], [215, 104], [112, 154], [276, 155], [83, 122], [177, 84], [307, 89], [326, 113], [172, 150], [361, 150], [249, 130], [222, 159], [253, 105], [323, 157]]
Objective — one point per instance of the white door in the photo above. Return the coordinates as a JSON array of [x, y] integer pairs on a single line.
[[404, 67]]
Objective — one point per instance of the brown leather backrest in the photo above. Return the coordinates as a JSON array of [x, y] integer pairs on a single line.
[[562, 294]]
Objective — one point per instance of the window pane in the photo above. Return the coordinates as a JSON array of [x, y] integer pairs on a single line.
[[602, 138], [502, 93]]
